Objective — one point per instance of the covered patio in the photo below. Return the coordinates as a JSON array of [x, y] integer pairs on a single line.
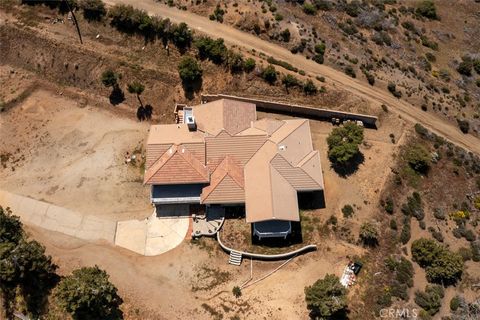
[[272, 229]]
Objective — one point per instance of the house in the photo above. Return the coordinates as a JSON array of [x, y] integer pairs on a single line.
[[219, 154]]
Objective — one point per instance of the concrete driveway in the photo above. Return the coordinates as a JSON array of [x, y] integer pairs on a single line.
[[152, 236], [55, 218]]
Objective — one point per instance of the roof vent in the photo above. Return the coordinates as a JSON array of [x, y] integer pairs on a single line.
[[282, 147]]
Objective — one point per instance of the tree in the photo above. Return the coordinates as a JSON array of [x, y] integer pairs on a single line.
[[289, 81], [369, 234], [10, 227], [214, 50], [181, 36], [189, 70], [88, 294], [93, 10], [326, 298], [418, 158], [343, 143], [249, 65], [427, 9], [25, 265], [110, 79], [269, 74], [136, 88]]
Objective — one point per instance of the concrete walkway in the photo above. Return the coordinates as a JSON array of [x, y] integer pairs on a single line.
[[152, 236], [55, 218]]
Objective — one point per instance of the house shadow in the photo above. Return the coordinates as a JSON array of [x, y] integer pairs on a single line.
[[346, 170], [295, 237], [311, 200]]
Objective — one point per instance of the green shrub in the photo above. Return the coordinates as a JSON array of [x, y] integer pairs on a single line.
[[427, 9], [269, 74], [237, 292], [388, 205], [347, 211], [281, 63], [465, 66], [309, 8], [455, 303], [249, 65], [290, 81], [309, 87], [285, 35], [464, 125], [431, 299], [350, 71], [405, 234], [393, 90], [418, 158], [440, 264], [466, 253], [369, 234]]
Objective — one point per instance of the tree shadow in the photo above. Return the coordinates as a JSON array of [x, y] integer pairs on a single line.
[[144, 113], [349, 168], [37, 290], [116, 96], [339, 315], [190, 88]]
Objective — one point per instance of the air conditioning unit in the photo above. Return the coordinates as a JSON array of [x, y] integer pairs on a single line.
[[189, 119]]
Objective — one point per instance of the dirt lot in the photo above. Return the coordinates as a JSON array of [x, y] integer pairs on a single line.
[[73, 156]]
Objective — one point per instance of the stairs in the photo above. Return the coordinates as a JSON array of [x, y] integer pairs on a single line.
[[235, 258]]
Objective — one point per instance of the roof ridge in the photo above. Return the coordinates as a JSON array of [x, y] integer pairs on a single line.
[[160, 162], [306, 158], [194, 162], [223, 170]]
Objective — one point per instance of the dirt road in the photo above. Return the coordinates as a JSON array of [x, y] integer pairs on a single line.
[[376, 96]]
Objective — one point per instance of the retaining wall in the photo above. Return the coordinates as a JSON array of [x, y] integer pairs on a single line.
[[296, 110], [272, 257]]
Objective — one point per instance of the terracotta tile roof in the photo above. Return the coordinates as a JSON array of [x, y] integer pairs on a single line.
[[262, 163], [177, 166], [226, 184], [229, 115], [268, 125], [242, 148], [296, 176]]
